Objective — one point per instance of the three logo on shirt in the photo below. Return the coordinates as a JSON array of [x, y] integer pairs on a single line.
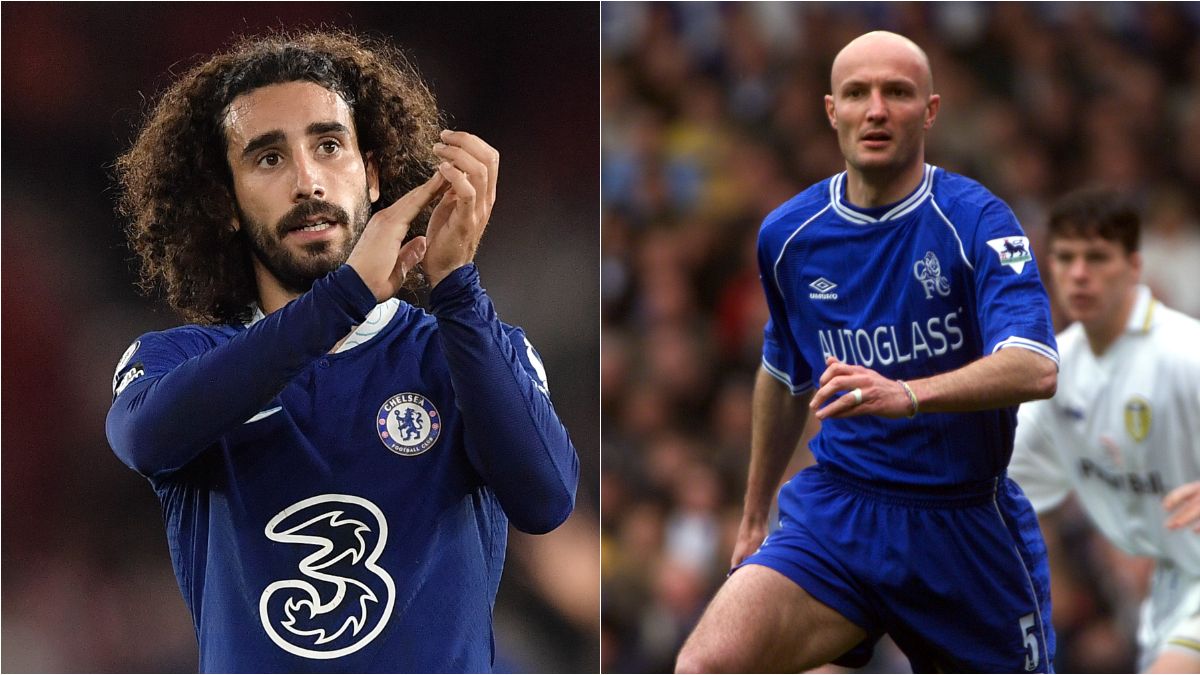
[[408, 424], [122, 381], [337, 598]]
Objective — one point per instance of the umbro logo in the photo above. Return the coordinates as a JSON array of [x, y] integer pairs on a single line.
[[823, 289]]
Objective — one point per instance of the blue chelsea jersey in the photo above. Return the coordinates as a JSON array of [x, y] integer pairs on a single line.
[[910, 290], [354, 521]]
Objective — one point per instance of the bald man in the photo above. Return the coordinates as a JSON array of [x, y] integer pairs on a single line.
[[907, 312]]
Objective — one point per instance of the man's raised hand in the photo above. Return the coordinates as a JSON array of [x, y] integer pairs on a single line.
[[471, 167], [381, 257]]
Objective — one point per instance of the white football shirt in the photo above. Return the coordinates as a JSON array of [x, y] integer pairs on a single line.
[[1122, 431]]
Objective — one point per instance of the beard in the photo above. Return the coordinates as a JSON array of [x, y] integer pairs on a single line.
[[296, 272]]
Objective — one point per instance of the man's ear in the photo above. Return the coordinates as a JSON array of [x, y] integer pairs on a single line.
[[235, 225], [931, 110], [372, 177], [830, 111]]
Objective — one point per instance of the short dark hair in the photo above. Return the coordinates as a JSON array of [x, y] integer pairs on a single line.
[[1096, 212], [176, 187]]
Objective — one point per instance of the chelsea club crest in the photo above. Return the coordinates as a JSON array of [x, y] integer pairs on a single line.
[[408, 424]]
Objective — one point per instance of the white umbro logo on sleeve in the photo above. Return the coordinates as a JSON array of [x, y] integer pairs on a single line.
[[823, 288]]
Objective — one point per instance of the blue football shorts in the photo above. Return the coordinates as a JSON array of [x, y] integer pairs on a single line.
[[958, 577]]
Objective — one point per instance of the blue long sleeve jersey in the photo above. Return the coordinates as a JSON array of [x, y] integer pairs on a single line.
[[910, 290], [347, 511]]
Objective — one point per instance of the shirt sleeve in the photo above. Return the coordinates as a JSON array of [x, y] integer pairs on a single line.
[[514, 438], [781, 356], [1035, 465], [176, 393], [1012, 304]]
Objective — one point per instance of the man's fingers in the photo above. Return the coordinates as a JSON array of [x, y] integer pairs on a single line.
[[839, 407], [1177, 496], [461, 159], [406, 208], [464, 191], [441, 212], [481, 151], [835, 370], [738, 556], [473, 144], [477, 173], [748, 541], [1184, 504], [468, 167], [1186, 514], [831, 387], [410, 254]]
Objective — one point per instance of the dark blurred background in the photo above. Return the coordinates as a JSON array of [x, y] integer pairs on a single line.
[[87, 582], [712, 116]]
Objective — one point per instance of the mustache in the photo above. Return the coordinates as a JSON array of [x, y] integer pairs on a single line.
[[308, 209]]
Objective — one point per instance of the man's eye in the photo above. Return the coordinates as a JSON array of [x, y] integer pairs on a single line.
[[329, 147], [270, 159]]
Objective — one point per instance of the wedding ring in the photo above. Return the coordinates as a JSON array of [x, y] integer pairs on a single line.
[[857, 394]]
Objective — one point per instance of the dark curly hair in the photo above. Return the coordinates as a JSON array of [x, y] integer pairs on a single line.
[[176, 187]]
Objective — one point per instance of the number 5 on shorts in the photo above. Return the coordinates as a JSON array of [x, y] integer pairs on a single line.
[[1033, 654]]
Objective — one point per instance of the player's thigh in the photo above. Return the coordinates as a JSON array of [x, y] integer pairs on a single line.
[[761, 621]]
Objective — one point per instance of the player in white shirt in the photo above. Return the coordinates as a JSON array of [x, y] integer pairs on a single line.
[[1123, 431]]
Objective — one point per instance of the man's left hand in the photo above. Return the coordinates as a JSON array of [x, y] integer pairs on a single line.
[[459, 219], [1183, 503], [880, 396]]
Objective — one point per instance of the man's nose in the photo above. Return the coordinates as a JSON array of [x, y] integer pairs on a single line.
[[1078, 269], [876, 107], [310, 182]]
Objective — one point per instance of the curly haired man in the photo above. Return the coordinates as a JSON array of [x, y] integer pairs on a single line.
[[337, 468]]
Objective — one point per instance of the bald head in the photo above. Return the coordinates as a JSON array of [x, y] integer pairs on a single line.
[[881, 105], [883, 49]]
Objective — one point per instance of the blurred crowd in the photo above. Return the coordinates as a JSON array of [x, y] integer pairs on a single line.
[[87, 580], [712, 116]]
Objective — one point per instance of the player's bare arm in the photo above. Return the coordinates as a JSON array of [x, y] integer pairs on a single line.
[[778, 422], [471, 167], [1183, 503], [1006, 378]]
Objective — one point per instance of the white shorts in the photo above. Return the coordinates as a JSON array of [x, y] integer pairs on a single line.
[[1170, 615]]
